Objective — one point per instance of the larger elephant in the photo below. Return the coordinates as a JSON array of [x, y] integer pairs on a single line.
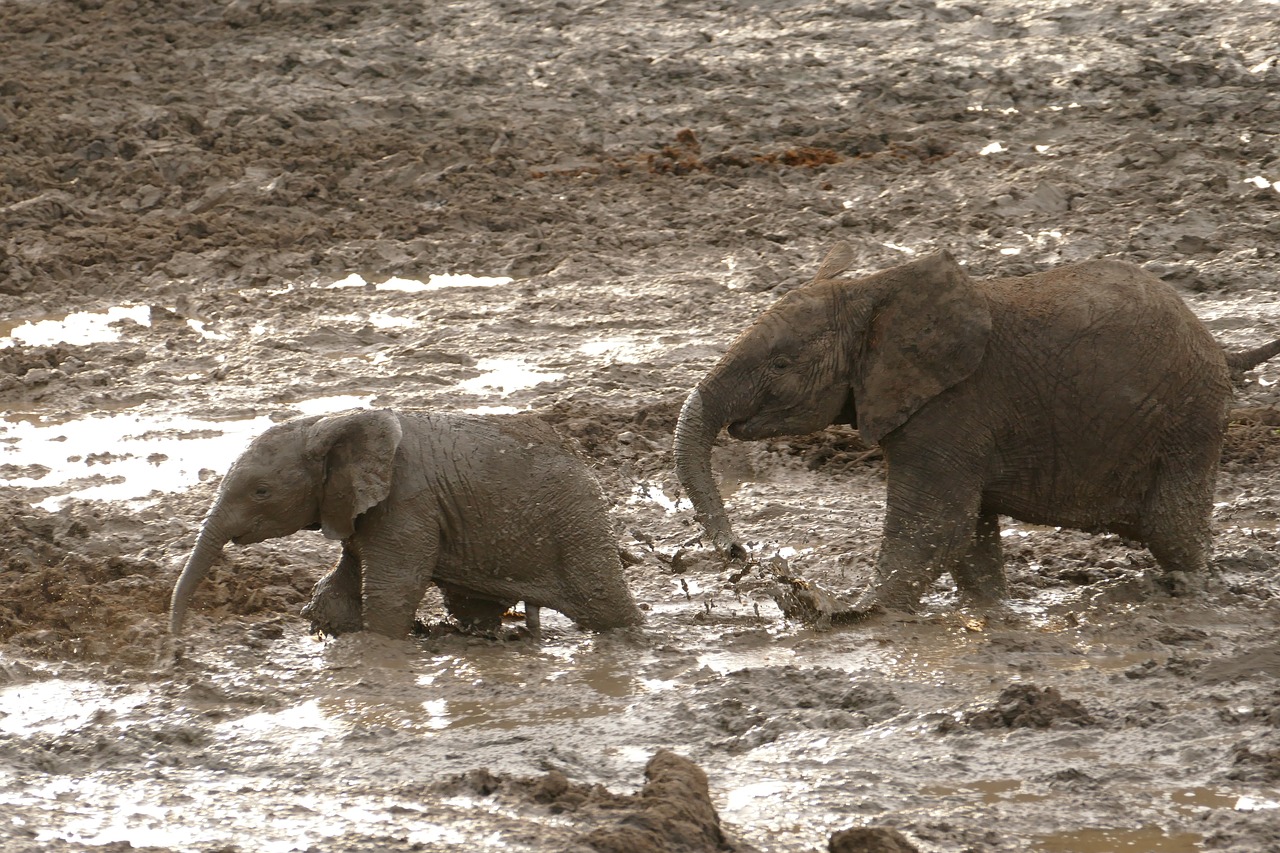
[[1088, 396], [494, 510]]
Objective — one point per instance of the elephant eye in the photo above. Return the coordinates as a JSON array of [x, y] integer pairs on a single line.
[[780, 362], [262, 492]]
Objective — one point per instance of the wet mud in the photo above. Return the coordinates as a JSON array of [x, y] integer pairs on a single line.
[[214, 217]]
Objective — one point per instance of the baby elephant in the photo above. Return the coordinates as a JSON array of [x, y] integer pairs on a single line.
[[1086, 396], [493, 510]]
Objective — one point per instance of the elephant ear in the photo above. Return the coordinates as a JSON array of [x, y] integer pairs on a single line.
[[927, 333], [839, 259], [359, 450]]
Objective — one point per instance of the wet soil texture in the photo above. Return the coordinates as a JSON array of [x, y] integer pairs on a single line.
[[214, 216]]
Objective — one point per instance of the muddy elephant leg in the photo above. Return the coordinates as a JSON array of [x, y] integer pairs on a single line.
[[1175, 526], [979, 573], [398, 557], [930, 522], [471, 612], [334, 607]]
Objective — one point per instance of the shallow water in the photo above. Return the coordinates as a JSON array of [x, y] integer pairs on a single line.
[[316, 739]]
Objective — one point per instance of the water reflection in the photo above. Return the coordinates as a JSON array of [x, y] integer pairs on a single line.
[[505, 375], [129, 456], [56, 707], [78, 328], [433, 282], [619, 349], [81, 328], [1146, 839]]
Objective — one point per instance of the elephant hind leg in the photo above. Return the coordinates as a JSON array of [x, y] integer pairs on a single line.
[[471, 612], [1175, 524], [533, 620], [979, 572]]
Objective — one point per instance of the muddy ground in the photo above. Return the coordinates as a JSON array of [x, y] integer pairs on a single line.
[[214, 216]]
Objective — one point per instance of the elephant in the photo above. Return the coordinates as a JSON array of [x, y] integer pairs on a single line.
[[1087, 396], [492, 509]]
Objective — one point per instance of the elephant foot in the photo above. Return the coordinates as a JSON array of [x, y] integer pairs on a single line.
[[331, 614]]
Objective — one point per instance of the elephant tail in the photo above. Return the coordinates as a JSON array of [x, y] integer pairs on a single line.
[[1248, 359]]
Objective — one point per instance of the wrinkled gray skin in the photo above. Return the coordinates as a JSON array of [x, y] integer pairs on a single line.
[[1088, 396], [493, 510]]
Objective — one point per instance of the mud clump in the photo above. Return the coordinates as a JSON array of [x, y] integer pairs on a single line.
[[1257, 760], [673, 813], [1022, 706], [69, 589], [870, 839]]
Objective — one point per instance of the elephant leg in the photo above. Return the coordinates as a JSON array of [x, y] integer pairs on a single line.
[[979, 573], [334, 607], [533, 620], [398, 559], [929, 525], [471, 612], [1175, 525]]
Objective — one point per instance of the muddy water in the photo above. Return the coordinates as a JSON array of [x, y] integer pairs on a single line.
[[263, 731], [257, 730], [251, 728], [213, 217]]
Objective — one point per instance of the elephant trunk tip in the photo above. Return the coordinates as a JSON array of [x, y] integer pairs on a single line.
[[696, 430]]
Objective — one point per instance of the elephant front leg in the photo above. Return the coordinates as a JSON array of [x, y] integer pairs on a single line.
[[334, 607], [398, 563], [979, 572], [929, 526]]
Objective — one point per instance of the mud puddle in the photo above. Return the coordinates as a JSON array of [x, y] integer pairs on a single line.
[[216, 217], [300, 741]]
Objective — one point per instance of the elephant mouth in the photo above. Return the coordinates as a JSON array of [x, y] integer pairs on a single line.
[[749, 430], [774, 424]]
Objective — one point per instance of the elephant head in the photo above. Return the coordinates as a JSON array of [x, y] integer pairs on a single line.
[[869, 352], [313, 472]]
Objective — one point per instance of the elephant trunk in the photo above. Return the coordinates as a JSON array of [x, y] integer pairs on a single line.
[[208, 547], [695, 433]]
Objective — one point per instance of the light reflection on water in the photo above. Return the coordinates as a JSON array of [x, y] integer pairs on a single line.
[[119, 457], [78, 328], [128, 813], [620, 349], [129, 456], [433, 282], [57, 706], [506, 375], [81, 328]]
